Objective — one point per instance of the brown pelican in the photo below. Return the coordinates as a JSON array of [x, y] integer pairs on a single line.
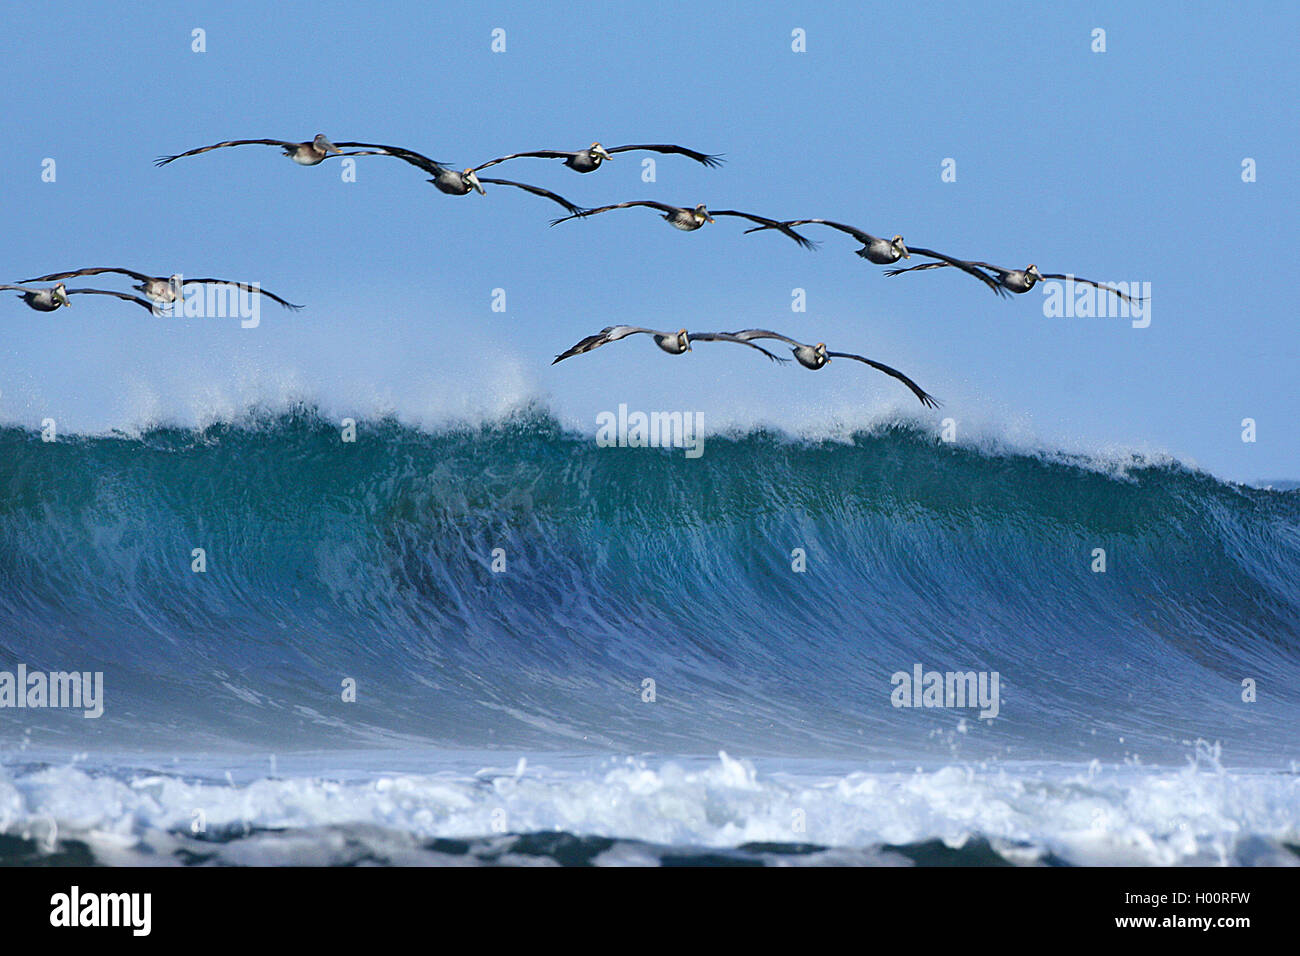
[[885, 252], [459, 183], [816, 356], [1017, 280], [674, 343], [159, 288], [588, 160], [688, 220], [50, 300], [304, 154]]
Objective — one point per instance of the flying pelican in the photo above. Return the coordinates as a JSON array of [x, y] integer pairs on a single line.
[[688, 220], [816, 356], [460, 183], [588, 160], [1018, 280], [674, 343], [304, 154], [885, 252], [159, 288], [50, 300]]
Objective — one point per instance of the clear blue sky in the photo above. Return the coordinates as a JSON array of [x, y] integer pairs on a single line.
[[1123, 165]]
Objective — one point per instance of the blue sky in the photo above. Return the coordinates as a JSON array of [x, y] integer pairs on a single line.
[[1123, 165]]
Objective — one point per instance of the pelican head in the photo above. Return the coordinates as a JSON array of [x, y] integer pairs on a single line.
[[701, 214], [900, 247], [60, 296], [683, 341], [471, 177], [600, 152], [322, 145]]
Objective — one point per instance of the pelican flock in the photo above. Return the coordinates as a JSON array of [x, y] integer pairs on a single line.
[[162, 289], [674, 343], [454, 181]]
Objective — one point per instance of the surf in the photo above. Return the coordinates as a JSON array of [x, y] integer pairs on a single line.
[[515, 584]]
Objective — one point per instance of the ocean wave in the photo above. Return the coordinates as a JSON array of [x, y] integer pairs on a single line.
[[376, 562]]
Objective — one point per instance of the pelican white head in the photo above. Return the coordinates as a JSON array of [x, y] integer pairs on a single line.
[[322, 144]]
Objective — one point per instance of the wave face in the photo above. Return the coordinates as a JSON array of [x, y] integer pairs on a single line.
[[373, 561]]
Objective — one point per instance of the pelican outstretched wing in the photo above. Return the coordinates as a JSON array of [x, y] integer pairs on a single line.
[[729, 337], [246, 287], [611, 333], [705, 158], [583, 214], [768, 224], [858, 234], [538, 191], [943, 265], [971, 268], [431, 166], [536, 153], [921, 268], [55, 276], [746, 335], [285, 144], [928, 400], [1096, 285], [124, 296]]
